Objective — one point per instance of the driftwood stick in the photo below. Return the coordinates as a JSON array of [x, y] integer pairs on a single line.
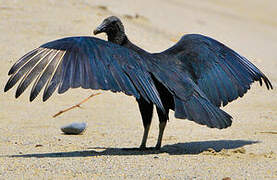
[[75, 106]]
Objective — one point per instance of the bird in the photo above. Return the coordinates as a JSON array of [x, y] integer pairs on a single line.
[[194, 77]]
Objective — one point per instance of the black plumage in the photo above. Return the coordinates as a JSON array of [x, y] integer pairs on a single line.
[[194, 77]]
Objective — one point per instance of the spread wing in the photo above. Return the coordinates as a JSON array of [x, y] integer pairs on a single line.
[[85, 62], [189, 100], [221, 73]]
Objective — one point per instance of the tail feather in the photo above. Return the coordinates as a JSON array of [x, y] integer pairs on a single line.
[[202, 111]]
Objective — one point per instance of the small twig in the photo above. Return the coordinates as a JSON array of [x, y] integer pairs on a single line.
[[75, 106], [268, 132]]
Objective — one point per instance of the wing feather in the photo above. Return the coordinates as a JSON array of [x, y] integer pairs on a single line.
[[21, 70], [23, 60], [221, 73], [31, 75], [41, 80], [55, 78], [85, 62]]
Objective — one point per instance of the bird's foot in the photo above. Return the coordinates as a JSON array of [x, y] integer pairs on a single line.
[[142, 148], [149, 149], [158, 147]]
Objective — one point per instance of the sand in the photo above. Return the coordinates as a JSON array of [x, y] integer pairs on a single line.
[[32, 145]]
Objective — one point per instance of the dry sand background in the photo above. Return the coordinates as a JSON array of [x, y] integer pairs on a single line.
[[31, 144]]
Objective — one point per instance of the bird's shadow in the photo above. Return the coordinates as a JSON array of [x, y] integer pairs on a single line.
[[173, 149]]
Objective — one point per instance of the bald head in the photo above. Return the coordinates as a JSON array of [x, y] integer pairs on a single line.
[[114, 29]]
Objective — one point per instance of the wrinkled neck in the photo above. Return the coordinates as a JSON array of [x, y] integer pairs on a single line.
[[120, 38], [117, 37]]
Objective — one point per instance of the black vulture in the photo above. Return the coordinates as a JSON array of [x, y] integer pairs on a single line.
[[195, 77]]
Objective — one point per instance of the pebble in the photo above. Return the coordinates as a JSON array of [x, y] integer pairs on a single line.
[[74, 128]]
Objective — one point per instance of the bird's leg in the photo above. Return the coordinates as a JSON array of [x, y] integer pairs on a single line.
[[163, 120], [146, 111], [145, 136], [160, 137]]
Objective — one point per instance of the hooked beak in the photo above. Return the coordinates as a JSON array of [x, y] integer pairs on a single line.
[[101, 28]]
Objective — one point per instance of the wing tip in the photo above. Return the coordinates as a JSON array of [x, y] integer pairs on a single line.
[[267, 83], [202, 111], [11, 71], [228, 120], [8, 86], [18, 93], [31, 98], [44, 98]]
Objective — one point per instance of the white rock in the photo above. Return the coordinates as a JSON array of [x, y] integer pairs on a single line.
[[74, 128]]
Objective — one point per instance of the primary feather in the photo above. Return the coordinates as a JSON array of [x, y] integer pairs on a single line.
[[85, 62], [221, 73]]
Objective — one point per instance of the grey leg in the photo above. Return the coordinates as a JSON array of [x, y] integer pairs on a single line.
[[163, 120], [145, 136], [161, 132], [146, 111]]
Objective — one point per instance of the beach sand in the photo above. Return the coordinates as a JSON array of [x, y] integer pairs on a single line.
[[32, 145]]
